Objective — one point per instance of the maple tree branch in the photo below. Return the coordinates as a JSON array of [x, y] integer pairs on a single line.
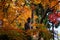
[[46, 13]]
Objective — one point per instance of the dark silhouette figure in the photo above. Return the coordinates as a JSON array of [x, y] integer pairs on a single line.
[[27, 25]]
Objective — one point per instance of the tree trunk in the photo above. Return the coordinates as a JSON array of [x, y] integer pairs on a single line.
[[53, 30]]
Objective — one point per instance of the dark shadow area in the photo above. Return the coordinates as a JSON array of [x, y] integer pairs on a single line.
[[4, 37]]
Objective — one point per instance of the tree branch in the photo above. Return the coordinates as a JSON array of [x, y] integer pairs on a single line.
[[51, 9]]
